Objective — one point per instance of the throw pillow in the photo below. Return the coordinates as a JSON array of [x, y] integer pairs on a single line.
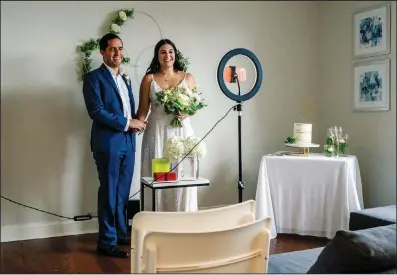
[[363, 251]]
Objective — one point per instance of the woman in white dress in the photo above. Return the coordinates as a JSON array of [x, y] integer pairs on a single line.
[[165, 71]]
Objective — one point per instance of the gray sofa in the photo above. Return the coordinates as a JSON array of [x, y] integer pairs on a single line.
[[369, 246]]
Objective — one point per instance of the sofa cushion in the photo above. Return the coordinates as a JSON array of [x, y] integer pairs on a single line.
[[293, 262], [372, 217], [363, 251]]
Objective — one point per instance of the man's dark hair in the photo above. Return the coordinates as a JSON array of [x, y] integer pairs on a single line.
[[104, 40]]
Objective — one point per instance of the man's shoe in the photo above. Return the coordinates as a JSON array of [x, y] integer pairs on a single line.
[[124, 241], [112, 251]]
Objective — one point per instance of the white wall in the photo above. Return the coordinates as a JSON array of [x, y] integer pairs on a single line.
[[46, 160], [373, 134]]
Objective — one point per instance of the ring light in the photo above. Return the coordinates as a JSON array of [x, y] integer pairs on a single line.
[[220, 75], [237, 75]]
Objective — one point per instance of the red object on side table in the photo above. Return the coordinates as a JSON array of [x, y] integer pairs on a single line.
[[164, 176]]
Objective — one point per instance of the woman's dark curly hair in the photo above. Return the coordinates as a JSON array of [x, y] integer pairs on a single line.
[[154, 67]]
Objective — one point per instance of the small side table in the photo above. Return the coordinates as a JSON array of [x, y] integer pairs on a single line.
[[146, 182]]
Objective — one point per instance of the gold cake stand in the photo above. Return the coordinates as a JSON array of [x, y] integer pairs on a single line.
[[305, 147]]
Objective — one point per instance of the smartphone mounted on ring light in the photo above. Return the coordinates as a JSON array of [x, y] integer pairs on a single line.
[[231, 72]]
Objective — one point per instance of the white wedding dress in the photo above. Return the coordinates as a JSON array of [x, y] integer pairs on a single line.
[[158, 130]]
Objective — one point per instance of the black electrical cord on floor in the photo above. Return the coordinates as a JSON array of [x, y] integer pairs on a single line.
[[69, 218], [89, 216]]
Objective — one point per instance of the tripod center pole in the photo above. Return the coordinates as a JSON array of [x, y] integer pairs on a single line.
[[241, 184]]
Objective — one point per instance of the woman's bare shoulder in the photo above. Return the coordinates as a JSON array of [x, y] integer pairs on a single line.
[[190, 80], [147, 78]]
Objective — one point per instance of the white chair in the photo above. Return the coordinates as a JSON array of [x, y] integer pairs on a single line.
[[242, 249], [198, 221]]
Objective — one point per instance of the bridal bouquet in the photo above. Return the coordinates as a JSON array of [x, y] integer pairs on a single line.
[[180, 101], [177, 147]]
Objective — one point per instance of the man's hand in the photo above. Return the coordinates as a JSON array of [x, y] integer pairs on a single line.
[[137, 125], [184, 116]]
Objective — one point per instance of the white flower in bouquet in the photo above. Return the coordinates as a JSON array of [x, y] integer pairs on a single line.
[[200, 149], [197, 97], [173, 148], [184, 100], [189, 92], [179, 101]]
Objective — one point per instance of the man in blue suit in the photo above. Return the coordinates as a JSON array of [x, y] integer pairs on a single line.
[[110, 104]]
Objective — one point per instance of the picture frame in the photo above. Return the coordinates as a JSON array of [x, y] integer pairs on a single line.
[[371, 87], [371, 29]]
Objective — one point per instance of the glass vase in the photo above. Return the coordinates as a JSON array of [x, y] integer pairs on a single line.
[[343, 149], [329, 148], [189, 168]]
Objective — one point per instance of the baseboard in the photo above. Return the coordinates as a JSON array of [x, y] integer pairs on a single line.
[[30, 231]]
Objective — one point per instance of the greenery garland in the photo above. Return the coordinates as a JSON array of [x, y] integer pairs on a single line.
[[85, 50]]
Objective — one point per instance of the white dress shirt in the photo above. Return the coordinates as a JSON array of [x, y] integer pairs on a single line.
[[123, 92]]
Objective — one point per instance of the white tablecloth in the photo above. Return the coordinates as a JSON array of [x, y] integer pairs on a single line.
[[311, 195]]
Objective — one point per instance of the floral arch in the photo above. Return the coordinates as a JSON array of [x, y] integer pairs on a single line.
[[86, 49]]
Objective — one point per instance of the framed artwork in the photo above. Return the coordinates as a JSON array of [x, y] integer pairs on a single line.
[[372, 86], [372, 31]]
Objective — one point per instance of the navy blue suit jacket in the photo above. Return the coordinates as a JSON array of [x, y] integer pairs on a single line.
[[104, 106]]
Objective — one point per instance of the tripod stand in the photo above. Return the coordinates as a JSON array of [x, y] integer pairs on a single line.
[[238, 108]]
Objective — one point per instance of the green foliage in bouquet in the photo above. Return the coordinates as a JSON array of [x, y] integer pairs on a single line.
[[180, 101], [329, 141], [343, 148]]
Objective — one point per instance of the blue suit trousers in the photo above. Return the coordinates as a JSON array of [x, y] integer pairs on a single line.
[[115, 172]]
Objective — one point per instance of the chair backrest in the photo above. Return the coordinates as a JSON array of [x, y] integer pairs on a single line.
[[198, 221], [242, 249]]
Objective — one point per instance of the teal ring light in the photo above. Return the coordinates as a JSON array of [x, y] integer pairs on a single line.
[[220, 74]]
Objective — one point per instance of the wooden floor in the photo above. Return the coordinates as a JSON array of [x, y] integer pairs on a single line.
[[76, 254]]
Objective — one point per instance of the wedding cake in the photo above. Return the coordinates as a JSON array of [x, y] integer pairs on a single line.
[[303, 133]]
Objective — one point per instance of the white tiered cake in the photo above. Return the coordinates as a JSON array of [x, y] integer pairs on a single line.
[[303, 133]]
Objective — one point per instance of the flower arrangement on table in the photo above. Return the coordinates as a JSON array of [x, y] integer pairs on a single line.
[[290, 140], [336, 142], [179, 101], [328, 149], [177, 147], [343, 147]]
